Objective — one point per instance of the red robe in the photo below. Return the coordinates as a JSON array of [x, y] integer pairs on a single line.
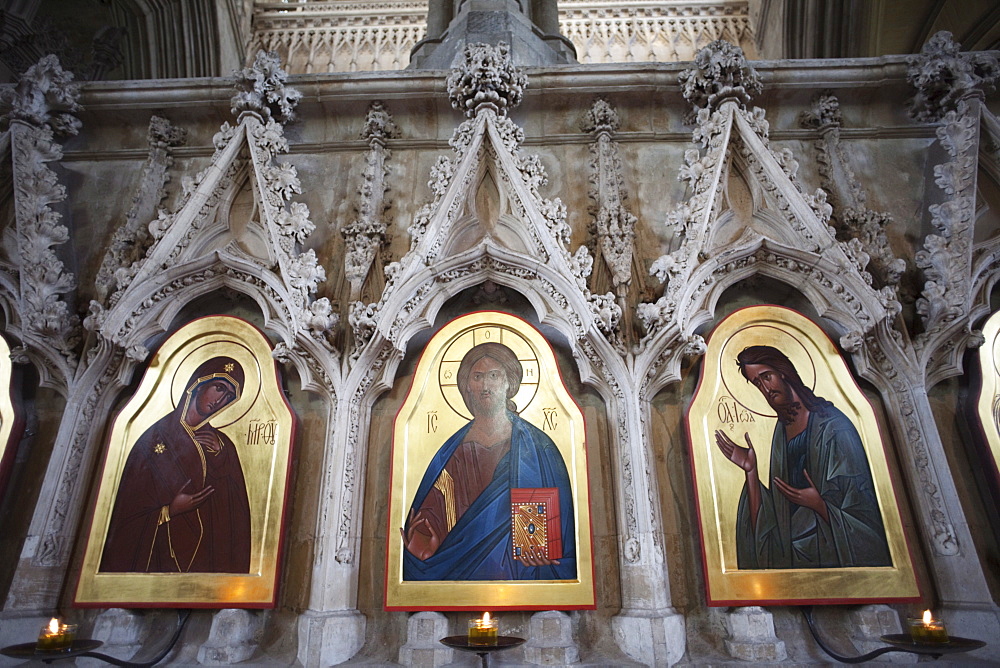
[[213, 538]]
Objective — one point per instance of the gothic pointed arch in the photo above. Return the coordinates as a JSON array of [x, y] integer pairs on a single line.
[[206, 244], [783, 232]]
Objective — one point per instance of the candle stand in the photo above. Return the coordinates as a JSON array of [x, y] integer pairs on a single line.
[[462, 643], [85, 647], [898, 642]]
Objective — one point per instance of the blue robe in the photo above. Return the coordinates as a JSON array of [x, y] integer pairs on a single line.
[[792, 536], [478, 547]]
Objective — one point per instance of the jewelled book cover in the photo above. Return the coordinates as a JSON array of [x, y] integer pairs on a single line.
[[534, 518]]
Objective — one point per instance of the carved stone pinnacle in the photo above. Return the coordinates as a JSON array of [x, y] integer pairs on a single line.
[[943, 75], [486, 78], [720, 72], [44, 96], [262, 89]]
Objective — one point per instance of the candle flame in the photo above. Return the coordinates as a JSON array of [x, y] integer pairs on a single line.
[[54, 625], [927, 617], [486, 618]]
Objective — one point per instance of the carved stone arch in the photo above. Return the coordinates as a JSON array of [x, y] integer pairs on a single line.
[[834, 294], [158, 307]]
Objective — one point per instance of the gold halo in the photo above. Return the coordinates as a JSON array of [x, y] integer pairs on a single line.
[[766, 335], [457, 346], [251, 378]]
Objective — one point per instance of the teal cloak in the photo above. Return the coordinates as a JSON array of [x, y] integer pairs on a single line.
[[791, 536]]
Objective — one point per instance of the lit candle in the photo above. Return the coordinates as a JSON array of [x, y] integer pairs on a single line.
[[927, 629], [56, 637], [483, 631]]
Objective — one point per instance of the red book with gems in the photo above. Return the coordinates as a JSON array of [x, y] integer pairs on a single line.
[[535, 522]]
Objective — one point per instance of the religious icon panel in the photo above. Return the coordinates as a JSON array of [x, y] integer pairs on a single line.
[[988, 405], [795, 500], [192, 497], [11, 420], [490, 505]]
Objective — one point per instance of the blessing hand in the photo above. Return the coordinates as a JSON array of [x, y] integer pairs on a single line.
[[807, 497], [419, 536], [745, 458]]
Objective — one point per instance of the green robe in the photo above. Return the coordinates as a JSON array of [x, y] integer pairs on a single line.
[[792, 536]]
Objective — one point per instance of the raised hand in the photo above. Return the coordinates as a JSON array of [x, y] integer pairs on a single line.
[[745, 458], [420, 544], [807, 497], [185, 503]]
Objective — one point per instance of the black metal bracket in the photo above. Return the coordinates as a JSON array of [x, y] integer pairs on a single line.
[[182, 618], [807, 613]]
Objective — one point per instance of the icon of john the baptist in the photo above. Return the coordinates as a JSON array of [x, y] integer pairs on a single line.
[[182, 502], [819, 509], [459, 525]]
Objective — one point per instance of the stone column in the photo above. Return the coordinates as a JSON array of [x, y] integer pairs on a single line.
[[332, 630], [545, 15], [648, 628], [438, 17]]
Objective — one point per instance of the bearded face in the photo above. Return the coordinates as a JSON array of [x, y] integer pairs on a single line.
[[779, 394], [486, 390]]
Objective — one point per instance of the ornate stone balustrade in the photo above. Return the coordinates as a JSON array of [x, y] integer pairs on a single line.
[[355, 35]]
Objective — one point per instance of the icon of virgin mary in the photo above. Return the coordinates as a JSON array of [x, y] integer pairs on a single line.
[[182, 502]]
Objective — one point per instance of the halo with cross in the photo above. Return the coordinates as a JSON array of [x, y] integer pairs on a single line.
[[456, 348]]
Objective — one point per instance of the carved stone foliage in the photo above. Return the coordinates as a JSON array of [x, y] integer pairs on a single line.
[[40, 107], [720, 71], [943, 75], [946, 256], [949, 90], [855, 221], [44, 96], [262, 89], [365, 236], [132, 239], [487, 76]]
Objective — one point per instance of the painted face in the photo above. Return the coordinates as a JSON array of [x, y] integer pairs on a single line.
[[771, 384], [212, 396], [487, 387]]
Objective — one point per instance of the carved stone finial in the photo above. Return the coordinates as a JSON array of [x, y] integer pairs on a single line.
[[601, 117], [44, 96], [943, 75], [262, 89], [486, 78], [162, 133], [825, 111], [720, 71], [379, 123]]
